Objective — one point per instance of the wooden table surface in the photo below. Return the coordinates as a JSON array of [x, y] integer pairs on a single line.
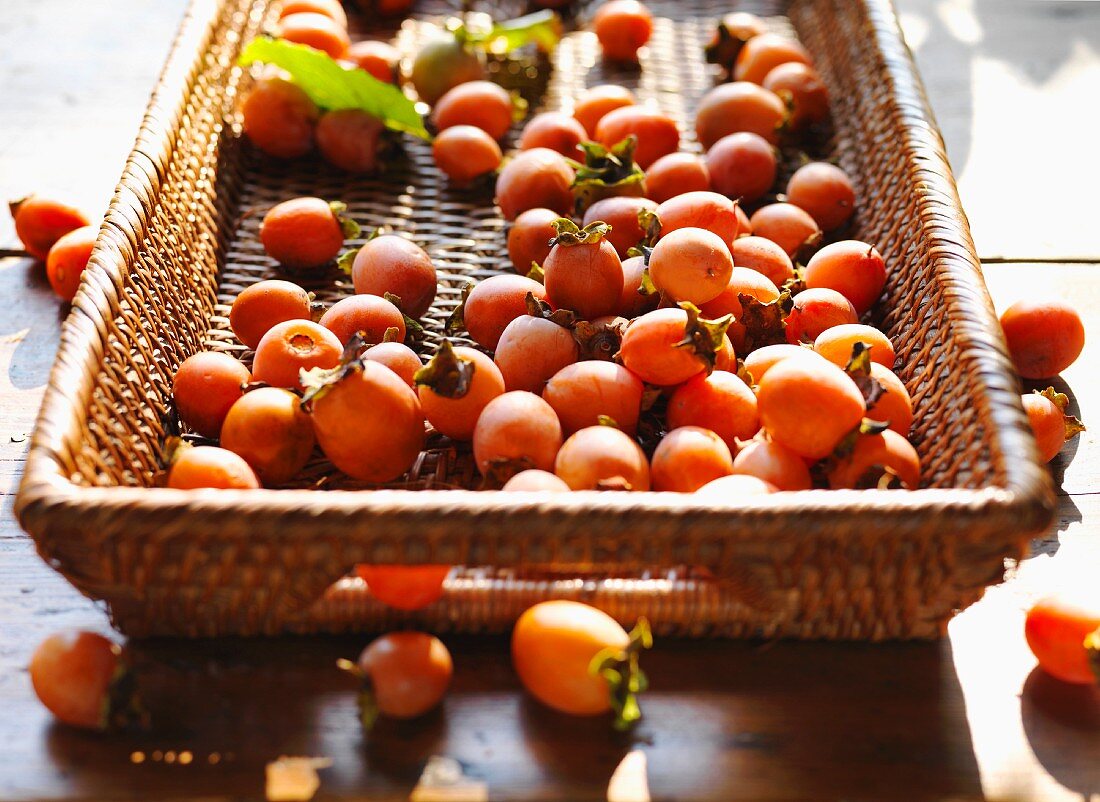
[[970, 717]]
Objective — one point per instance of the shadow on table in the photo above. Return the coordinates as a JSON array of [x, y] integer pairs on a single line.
[[1062, 724], [31, 324]]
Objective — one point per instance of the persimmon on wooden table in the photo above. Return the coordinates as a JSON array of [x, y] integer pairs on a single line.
[[965, 718]]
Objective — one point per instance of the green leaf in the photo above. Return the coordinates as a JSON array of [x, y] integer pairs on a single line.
[[332, 87], [543, 28]]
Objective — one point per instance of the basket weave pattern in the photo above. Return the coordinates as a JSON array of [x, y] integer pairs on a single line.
[[181, 240]]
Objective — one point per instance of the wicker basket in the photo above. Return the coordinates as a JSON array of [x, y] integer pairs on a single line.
[[180, 240]]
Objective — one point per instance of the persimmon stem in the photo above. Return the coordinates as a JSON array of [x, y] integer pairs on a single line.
[[625, 678]]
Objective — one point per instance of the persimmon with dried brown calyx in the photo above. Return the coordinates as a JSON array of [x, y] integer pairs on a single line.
[[667, 347], [40, 222], [1049, 421], [269, 430], [607, 172], [392, 265], [876, 460], [742, 282], [516, 431], [730, 35], [535, 178], [602, 458], [582, 272], [455, 386], [306, 233], [534, 347], [894, 406]]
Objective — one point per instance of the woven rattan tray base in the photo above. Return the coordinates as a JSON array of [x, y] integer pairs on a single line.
[[180, 241]]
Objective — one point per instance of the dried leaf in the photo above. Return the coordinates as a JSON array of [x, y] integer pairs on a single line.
[[765, 323], [703, 337], [859, 369], [447, 373]]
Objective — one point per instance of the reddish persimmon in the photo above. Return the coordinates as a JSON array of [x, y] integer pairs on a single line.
[[675, 174], [554, 130], [803, 88], [73, 673], [533, 480], [278, 117], [442, 64], [408, 673], [482, 104], [208, 466], [380, 59], [656, 132], [815, 311], [622, 26], [302, 233], [688, 458], [405, 587], [836, 344], [395, 265], [494, 303], [583, 273], [265, 304], [691, 264], [758, 362], [632, 302], [529, 238], [720, 402], [453, 402], [602, 458], [734, 486], [399, 358], [596, 102], [269, 430], [741, 106], [205, 386], [291, 347], [741, 166], [873, 455], [1056, 628], [1044, 337], [315, 30], [716, 213], [465, 152], [650, 349], [894, 406], [808, 405], [1046, 413], [330, 8], [854, 269], [787, 226], [621, 213], [375, 447], [532, 350], [535, 178], [349, 139], [583, 392], [516, 431], [40, 222], [778, 466], [764, 53], [765, 257], [368, 315], [67, 259], [824, 191]]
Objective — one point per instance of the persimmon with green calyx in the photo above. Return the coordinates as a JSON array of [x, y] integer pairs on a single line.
[[720, 402], [204, 388], [582, 272], [770, 462], [535, 178], [875, 460], [622, 27], [1061, 630], [741, 166], [554, 130], [67, 259], [675, 174], [691, 264], [404, 675], [656, 132], [667, 347], [85, 681], [278, 117], [579, 661], [196, 467], [825, 191], [350, 139], [535, 481], [368, 315], [584, 392], [376, 447], [490, 305], [815, 311], [529, 238], [315, 30], [455, 387], [380, 59], [306, 233], [740, 106], [399, 358], [259, 307], [289, 348], [788, 226], [809, 405], [40, 222], [853, 268], [390, 264], [802, 88], [1049, 421], [689, 457], [516, 431], [608, 172], [628, 218], [1044, 336], [269, 430], [730, 35], [465, 152], [836, 344], [534, 347], [762, 54], [443, 63], [482, 104], [734, 486], [405, 587], [594, 103], [716, 213], [602, 457]]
